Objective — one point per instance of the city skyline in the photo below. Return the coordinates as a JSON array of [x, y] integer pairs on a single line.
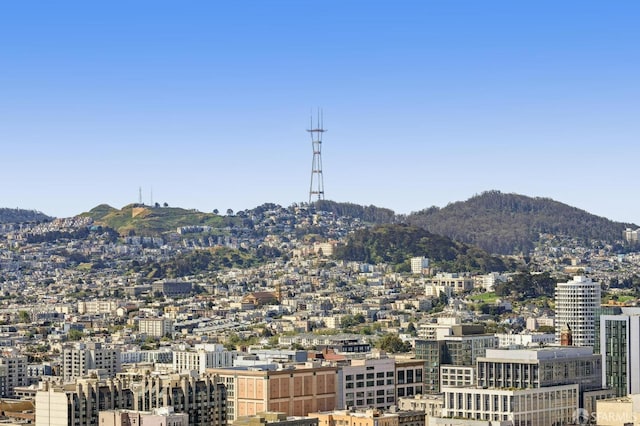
[[425, 103]]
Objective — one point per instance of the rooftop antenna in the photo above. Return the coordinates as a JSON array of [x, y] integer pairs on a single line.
[[316, 189]]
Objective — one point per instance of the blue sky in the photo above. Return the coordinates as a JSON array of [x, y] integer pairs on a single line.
[[205, 103]]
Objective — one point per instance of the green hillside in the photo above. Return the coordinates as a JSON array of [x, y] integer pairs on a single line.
[[150, 221]]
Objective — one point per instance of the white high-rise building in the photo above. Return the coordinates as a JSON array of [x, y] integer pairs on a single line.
[[576, 304], [419, 265]]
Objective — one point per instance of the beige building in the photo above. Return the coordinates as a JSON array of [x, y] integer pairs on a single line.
[[275, 418], [158, 417], [155, 327], [97, 306], [448, 283], [296, 391], [79, 358], [371, 417], [623, 411], [360, 418], [78, 404], [202, 357], [13, 373], [409, 377], [431, 405]]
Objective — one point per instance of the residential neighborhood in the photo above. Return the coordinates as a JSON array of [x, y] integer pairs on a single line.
[[87, 328]]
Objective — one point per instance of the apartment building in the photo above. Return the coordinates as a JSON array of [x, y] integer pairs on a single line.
[[202, 398], [157, 417], [156, 327], [295, 390], [79, 358], [202, 357], [13, 373], [367, 383], [576, 302]]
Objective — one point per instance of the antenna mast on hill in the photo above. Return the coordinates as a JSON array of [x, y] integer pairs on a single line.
[[316, 189], [140, 195]]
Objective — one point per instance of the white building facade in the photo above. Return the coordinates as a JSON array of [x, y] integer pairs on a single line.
[[576, 304]]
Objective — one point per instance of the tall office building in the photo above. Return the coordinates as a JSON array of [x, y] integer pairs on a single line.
[[620, 349], [576, 304], [460, 348]]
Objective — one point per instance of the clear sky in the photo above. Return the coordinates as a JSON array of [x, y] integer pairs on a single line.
[[204, 104]]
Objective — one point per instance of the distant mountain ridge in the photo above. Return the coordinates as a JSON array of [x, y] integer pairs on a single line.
[[512, 223], [22, 216], [497, 222]]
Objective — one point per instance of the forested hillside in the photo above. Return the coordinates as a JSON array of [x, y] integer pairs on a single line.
[[396, 244], [21, 216], [511, 223]]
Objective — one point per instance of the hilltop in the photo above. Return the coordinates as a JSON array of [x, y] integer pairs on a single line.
[[22, 216], [151, 220], [496, 222], [512, 223]]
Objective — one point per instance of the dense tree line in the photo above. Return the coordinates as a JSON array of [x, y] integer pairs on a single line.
[[525, 285], [512, 223], [371, 214], [396, 244]]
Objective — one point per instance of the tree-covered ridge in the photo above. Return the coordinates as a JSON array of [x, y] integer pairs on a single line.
[[512, 223], [396, 244], [371, 214], [22, 216]]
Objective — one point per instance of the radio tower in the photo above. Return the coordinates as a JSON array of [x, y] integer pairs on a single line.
[[317, 188]]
